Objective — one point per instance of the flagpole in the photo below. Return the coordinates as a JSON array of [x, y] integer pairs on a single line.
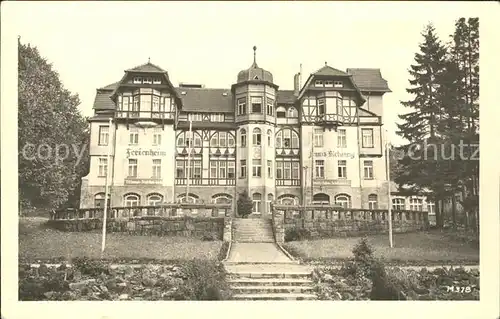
[[388, 170], [106, 192], [189, 158]]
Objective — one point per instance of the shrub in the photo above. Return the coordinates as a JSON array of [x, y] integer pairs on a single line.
[[209, 237], [364, 259], [383, 286], [203, 280], [244, 204], [294, 234], [91, 267]]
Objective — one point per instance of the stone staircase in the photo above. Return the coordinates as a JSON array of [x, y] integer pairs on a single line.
[[271, 283], [252, 230]]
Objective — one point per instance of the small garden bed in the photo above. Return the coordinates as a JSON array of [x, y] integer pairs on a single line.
[[95, 280], [365, 277]]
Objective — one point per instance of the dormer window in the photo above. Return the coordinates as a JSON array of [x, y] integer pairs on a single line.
[[318, 83], [147, 81], [137, 80], [328, 84], [280, 112], [338, 84], [156, 81]]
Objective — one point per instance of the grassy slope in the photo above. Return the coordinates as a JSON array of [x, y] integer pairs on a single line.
[[36, 241], [432, 246]]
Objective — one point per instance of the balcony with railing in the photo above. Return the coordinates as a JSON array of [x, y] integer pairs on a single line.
[[324, 119], [287, 182], [205, 182], [139, 115]]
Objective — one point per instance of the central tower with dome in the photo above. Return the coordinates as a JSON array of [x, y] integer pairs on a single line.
[[255, 99]]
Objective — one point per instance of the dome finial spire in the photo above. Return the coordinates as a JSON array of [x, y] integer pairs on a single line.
[[254, 55]]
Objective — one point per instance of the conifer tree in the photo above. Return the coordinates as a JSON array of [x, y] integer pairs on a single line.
[[421, 167], [464, 53]]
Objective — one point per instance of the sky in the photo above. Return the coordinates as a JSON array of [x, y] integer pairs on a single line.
[[90, 44]]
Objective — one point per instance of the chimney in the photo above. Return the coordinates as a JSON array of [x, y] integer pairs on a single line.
[[296, 84]]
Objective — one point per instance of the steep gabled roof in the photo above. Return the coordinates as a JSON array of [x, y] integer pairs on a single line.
[[329, 71], [203, 100], [286, 97], [110, 87], [369, 79], [148, 68], [103, 101]]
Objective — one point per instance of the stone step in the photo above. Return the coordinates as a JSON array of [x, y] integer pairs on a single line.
[[271, 238], [253, 239], [253, 231], [271, 275], [252, 222], [266, 234], [271, 289], [241, 281], [275, 296], [253, 227]]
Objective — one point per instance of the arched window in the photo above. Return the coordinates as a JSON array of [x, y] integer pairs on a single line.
[[257, 202], [292, 112], [269, 137], [99, 200], [155, 199], [230, 140], [256, 137], [243, 137], [222, 199], [343, 200], [288, 200], [280, 112], [321, 199], [131, 200], [222, 139], [190, 199], [186, 139], [372, 201], [270, 199], [287, 138]]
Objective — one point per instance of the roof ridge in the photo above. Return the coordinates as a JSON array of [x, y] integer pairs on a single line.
[[363, 68], [204, 88], [146, 64], [330, 67]]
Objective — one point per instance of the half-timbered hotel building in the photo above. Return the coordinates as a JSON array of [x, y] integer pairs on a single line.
[[321, 142]]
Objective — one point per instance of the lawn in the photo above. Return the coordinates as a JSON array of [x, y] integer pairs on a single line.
[[432, 247], [38, 242]]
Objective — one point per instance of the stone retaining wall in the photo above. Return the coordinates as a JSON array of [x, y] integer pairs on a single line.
[[320, 228], [317, 221], [159, 226]]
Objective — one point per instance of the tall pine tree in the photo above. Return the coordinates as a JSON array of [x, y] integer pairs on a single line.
[[465, 56], [48, 118], [421, 167]]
